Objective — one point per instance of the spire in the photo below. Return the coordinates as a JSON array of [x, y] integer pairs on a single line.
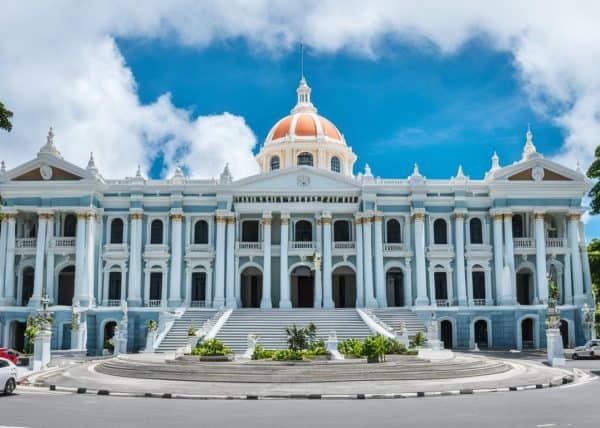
[[91, 166], [178, 173], [2, 168], [302, 60], [460, 176], [577, 167], [495, 162], [49, 148], [226, 176], [529, 150], [138, 172], [416, 177], [303, 91]]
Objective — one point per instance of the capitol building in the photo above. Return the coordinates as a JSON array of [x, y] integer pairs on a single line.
[[306, 232]]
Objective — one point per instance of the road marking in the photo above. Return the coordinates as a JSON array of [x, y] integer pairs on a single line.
[[545, 425]]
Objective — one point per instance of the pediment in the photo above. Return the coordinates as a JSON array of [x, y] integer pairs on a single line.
[[47, 168], [537, 170], [300, 179]]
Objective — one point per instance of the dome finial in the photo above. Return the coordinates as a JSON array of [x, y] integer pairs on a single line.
[[49, 148], [495, 162], [529, 150], [91, 166], [301, 60]]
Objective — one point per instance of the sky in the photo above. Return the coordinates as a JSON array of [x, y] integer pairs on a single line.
[[432, 82]]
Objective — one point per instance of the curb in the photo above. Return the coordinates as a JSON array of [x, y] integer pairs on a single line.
[[167, 395]]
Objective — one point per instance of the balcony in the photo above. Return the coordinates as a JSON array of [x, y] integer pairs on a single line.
[[112, 302], [156, 251], [479, 302], [302, 245], [344, 245], [154, 303], [26, 243], [63, 243], [523, 243], [198, 248], [443, 302], [249, 245], [560, 243], [391, 247]]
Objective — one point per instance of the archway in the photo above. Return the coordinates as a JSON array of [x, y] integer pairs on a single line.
[[66, 286], [527, 333], [17, 336], [525, 291], [344, 287], [446, 334], [564, 333], [303, 287], [109, 332], [481, 333], [394, 280], [27, 285], [251, 287]]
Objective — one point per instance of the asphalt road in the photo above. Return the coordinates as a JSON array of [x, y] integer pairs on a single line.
[[571, 406]]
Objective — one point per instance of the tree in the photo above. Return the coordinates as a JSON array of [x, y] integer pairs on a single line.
[[5, 116], [594, 258]]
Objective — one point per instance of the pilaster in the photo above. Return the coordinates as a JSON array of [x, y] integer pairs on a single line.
[[266, 285], [284, 279], [459, 225], [327, 286], [421, 274], [378, 253], [540, 257], [176, 258]]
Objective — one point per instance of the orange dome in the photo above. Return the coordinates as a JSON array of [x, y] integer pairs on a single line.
[[304, 125]]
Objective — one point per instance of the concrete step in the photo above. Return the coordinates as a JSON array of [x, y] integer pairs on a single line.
[[177, 336]]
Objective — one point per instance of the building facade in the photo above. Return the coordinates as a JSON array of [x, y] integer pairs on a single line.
[[305, 232]]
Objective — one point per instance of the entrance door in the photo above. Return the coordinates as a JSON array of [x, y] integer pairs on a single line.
[[564, 333], [18, 336], [303, 287], [481, 333], [527, 333], [251, 287], [446, 334], [344, 287], [66, 337], [395, 287], [198, 297], [524, 294]]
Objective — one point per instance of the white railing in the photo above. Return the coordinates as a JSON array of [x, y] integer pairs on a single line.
[[198, 304], [154, 303], [113, 302], [556, 242], [442, 302], [479, 302], [249, 245], [524, 242], [393, 247], [302, 245], [200, 248], [61, 242], [26, 242], [344, 245]]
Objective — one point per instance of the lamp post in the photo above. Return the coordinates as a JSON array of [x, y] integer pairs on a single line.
[[554, 344], [589, 328]]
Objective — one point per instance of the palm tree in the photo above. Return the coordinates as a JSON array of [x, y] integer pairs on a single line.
[[5, 116]]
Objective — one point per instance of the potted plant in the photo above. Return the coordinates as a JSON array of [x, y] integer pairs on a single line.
[[351, 348], [374, 348], [192, 336], [212, 350]]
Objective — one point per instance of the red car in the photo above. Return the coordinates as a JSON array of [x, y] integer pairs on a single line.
[[9, 354]]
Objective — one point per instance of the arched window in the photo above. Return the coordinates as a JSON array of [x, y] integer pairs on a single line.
[[476, 231], [341, 231], [201, 232], [274, 163], [250, 231], [336, 164], [116, 231], [392, 232], [70, 225], [305, 158], [156, 232], [517, 226], [440, 231], [303, 231]]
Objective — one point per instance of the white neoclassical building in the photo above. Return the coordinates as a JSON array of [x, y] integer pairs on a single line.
[[305, 232]]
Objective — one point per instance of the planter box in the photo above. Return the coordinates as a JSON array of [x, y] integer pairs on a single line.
[[215, 358], [321, 358], [372, 360]]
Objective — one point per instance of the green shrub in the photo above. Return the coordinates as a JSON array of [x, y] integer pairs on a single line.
[[374, 348], [300, 338], [288, 355], [261, 353], [211, 348], [317, 351], [419, 340], [412, 352], [393, 347], [351, 347]]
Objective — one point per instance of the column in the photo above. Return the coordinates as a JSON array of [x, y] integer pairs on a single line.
[[50, 259], [360, 296], [318, 285], [134, 294], [421, 274], [408, 295], [284, 278], [498, 256], [209, 285], [327, 287], [9, 278], [540, 258], [508, 289], [489, 300], [40, 252], [573, 220], [89, 260], [370, 301], [378, 253], [219, 300], [176, 258], [80, 253], [461, 288], [3, 233], [163, 288], [585, 262], [567, 283], [266, 285], [318, 297], [230, 271]]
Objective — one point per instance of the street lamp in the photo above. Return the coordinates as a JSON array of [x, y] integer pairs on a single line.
[[588, 321]]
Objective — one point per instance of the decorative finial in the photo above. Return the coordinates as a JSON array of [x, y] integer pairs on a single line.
[[460, 173], [50, 137], [2, 167], [303, 103], [138, 172], [495, 162], [301, 60], [91, 166], [226, 176], [577, 167], [416, 172], [460, 176], [529, 150], [368, 172], [49, 147], [178, 172]]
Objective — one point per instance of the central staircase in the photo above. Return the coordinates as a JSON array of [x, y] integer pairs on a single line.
[[394, 317], [270, 324], [177, 336]]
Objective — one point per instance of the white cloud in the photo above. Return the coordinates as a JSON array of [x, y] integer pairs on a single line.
[[59, 64]]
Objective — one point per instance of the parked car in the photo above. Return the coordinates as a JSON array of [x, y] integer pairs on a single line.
[[590, 349], [9, 354], [8, 376]]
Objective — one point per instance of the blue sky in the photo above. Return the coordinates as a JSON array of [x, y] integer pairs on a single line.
[[409, 105]]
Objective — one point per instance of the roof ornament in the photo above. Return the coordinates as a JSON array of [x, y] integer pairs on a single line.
[[577, 167], [49, 148], [91, 166], [460, 176], [138, 172], [495, 162], [2, 167], [303, 91], [416, 177], [529, 151], [226, 177]]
